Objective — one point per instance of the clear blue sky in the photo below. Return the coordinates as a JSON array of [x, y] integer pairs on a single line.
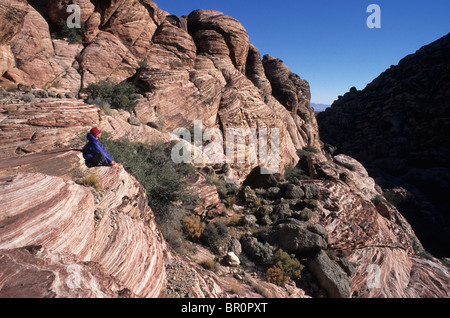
[[327, 42]]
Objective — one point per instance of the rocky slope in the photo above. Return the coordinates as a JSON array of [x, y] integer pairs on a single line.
[[70, 231], [352, 246], [398, 127]]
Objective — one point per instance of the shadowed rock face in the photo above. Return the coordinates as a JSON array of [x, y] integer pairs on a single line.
[[382, 245], [398, 128], [353, 245]]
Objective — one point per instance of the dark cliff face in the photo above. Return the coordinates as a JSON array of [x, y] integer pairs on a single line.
[[398, 126]]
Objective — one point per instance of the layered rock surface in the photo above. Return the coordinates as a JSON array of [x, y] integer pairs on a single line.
[[351, 246], [68, 240], [398, 128], [103, 230], [197, 67], [62, 239]]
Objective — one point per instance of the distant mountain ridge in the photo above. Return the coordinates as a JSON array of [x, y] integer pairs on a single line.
[[319, 107]]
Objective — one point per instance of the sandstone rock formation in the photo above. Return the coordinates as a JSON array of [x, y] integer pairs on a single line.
[[60, 237], [54, 123], [80, 241], [198, 67], [66, 219], [398, 128]]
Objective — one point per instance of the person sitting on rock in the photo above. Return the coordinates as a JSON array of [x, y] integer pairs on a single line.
[[94, 153]]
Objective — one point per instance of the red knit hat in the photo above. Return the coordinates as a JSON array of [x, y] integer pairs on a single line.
[[95, 131]]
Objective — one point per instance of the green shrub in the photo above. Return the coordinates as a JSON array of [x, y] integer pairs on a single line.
[[378, 199], [394, 199], [284, 266], [119, 96], [142, 63], [164, 181], [310, 149], [72, 35], [305, 151], [262, 253], [215, 235], [349, 166], [291, 172], [224, 189], [170, 224]]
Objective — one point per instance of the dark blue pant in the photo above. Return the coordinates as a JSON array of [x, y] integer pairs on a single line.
[[98, 160]]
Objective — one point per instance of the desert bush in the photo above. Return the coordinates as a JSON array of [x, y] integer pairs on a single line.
[[378, 199], [11, 109], [262, 253], [231, 200], [119, 96], [193, 226], [88, 180], [291, 172], [277, 276], [394, 199], [235, 220], [349, 166], [210, 264], [104, 105], [163, 180], [284, 266], [215, 235], [28, 97], [142, 63], [224, 189], [72, 35], [305, 151], [171, 226]]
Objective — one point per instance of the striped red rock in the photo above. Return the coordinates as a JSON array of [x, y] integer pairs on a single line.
[[383, 246], [33, 271], [101, 243], [114, 228]]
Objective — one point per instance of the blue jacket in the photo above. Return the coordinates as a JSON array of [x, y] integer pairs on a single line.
[[94, 147]]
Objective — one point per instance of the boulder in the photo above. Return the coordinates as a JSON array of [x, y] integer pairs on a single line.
[[247, 195], [249, 220], [255, 179], [282, 210], [293, 236], [329, 275], [293, 192], [106, 58], [232, 260], [218, 34]]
